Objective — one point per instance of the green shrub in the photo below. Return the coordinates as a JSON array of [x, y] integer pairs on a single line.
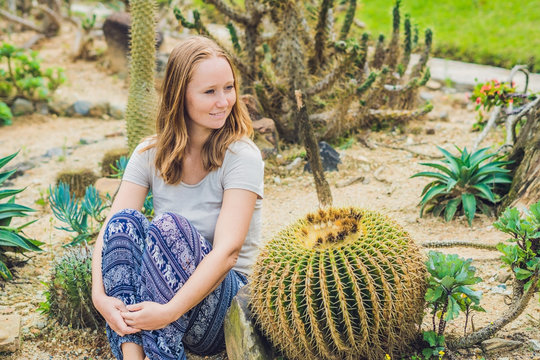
[[69, 291], [12, 239], [21, 75], [464, 183], [522, 255], [5, 114]]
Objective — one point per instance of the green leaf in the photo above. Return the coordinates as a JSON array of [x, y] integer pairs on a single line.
[[4, 176], [485, 191], [7, 193], [433, 175], [469, 206], [451, 159], [522, 274], [451, 208], [5, 160], [441, 168], [433, 295], [8, 238], [4, 271], [453, 309]]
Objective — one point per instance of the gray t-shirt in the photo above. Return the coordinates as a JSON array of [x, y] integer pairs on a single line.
[[200, 203]]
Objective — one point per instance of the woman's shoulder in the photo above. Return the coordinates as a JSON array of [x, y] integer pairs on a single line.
[[243, 147]]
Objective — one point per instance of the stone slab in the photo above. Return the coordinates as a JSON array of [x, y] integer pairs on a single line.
[[10, 333]]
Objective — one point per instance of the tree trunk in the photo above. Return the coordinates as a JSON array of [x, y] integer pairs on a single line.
[[525, 188]]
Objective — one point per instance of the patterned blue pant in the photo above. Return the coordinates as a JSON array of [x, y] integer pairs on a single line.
[[143, 261]]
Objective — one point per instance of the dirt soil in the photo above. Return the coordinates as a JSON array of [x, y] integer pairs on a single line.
[[384, 184]]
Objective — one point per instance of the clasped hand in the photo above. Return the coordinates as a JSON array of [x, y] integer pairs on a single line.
[[146, 315]]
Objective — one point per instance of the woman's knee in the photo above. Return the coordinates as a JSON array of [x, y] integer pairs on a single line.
[[128, 223]]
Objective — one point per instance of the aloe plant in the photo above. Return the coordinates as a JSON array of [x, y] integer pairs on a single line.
[[464, 183], [12, 238]]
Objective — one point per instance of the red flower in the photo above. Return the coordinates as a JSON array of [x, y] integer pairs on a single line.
[[511, 101], [478, 100]]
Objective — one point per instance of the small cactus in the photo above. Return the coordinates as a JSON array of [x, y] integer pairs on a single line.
[[338, 284], [77, 179], [69, 293]]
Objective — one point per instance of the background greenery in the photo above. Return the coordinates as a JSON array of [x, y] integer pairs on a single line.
[[501, 33]]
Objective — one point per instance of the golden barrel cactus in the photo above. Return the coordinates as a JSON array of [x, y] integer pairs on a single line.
[[339, 284]]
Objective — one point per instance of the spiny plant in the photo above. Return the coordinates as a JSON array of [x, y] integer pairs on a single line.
[[339, 283], [464, 183], [24, 77], [12, 239], [83, 217], [300, 50], [69, 291], [142, 97]]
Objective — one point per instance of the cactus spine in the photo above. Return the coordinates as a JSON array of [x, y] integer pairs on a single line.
[[142, 99], [339, 284]]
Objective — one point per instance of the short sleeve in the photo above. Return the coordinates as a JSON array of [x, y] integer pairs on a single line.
[[243, 168], [138, 169]]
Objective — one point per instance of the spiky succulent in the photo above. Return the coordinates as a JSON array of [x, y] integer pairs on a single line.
[[340, 283], [465, 182], [69, 293]]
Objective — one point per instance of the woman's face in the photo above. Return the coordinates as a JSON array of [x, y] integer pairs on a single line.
[[210, 95]]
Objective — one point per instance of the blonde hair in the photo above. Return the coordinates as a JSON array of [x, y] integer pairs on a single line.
[[171, 136]]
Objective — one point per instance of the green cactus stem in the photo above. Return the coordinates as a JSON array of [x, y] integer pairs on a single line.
[[342, 283], [141, 109], [347, 22]]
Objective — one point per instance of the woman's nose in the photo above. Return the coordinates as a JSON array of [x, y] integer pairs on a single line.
[[221, 100]]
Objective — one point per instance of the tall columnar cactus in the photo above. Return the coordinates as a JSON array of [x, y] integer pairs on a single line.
[[142, 100], [339, 284]]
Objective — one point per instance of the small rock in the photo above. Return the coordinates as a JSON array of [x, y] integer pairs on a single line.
[[243, 340], [108, 186], [20, 168], [504, 276], [10, 333], [99, 109], [80, 107], [294, 164], [22, 107], [56, 151], [430, 131], [59, 107], [362, 159], [426, 96], [498, 344], [433, 85], [329, 158], [277, 180], [116, 112], [42, 108], [443, 116], [534, 344]]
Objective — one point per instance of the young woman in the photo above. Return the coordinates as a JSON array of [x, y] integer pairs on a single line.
[[167, 284]]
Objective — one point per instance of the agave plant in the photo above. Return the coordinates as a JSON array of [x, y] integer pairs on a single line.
[[12, 238], [464, 183]]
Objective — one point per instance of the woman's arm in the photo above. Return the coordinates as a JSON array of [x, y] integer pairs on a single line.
[[231, 230], [129, 196]]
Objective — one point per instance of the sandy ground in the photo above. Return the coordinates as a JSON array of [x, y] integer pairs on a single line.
[[288, 195]]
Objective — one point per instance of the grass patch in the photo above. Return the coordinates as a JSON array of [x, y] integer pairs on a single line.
[[500, 33]]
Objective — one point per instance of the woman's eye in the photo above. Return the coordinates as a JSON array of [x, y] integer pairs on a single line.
[[230, 87], [209, 92]]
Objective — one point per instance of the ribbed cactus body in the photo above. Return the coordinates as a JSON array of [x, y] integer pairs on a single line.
[[338, 284], [142, 99]]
